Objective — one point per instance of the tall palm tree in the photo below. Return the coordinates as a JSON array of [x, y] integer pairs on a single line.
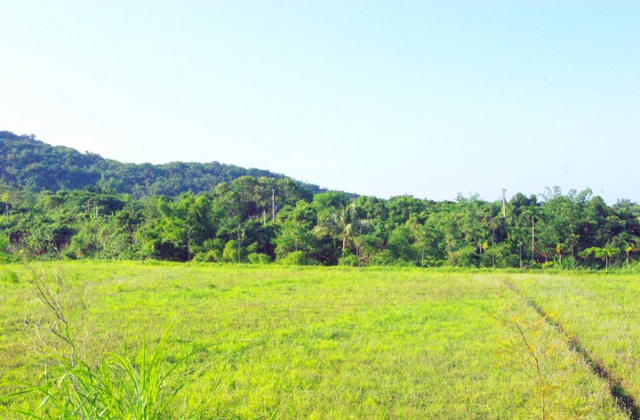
[[340, 223]]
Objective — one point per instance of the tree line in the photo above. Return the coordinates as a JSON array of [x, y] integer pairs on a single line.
[[263, 220]]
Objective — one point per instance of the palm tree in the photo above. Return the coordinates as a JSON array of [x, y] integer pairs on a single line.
[[626, 242], [340, 223], [532, 212]]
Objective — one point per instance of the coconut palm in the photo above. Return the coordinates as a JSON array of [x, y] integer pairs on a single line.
[[340, 223]]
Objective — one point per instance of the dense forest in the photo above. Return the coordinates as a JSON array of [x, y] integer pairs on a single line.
[[260, 220], [28, 163], [263, 219]]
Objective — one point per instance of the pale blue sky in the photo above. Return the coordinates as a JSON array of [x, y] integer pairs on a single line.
[[379, 98]]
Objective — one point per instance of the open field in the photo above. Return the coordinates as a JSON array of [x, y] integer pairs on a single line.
[[312, 342]]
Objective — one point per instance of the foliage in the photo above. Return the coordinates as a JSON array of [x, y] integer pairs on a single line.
[[296, 258], [26, 162], [236, 220], [239, 213], [4, 243], [257, 258]]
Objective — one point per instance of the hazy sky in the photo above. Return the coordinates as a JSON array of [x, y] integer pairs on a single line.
[[379, 98]]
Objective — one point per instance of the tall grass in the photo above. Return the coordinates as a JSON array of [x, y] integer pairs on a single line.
[[114, 388], [74, 385]]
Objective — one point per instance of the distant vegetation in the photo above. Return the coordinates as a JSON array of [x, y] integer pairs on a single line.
[[27, 162], [260, 219]]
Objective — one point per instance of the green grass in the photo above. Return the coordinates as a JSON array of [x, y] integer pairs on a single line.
[[603, 310], [318, 343]]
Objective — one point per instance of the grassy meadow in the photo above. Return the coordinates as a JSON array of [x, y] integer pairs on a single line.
[[333, 342]]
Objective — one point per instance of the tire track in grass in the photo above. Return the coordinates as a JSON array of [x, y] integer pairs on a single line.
[[623, 398]]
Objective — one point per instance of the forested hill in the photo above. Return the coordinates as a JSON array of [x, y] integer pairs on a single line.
[[258, 219], [28, 163]]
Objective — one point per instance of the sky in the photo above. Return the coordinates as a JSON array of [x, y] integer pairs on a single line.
[[384, 98]]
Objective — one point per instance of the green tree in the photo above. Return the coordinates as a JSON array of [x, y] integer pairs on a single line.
[[339, 224], [400, 246], [606, 253], [4, 243]]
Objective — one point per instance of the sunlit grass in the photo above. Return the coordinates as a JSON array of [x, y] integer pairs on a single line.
[[603, 310], [317, 342]]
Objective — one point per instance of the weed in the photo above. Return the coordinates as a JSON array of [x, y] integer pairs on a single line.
[[113, 387], [8, 276], [527, 353]]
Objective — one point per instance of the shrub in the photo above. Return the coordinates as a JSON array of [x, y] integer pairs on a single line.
[[4, 243], [258, 258], [463, 257], [210, 256], [230, 252], [296, 258], [348, 260]]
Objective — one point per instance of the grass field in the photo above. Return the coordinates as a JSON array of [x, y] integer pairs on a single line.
[[330, 343]]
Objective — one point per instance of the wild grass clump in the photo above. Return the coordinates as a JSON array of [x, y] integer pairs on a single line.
[[113, 388], [75, 385], [8, 276]]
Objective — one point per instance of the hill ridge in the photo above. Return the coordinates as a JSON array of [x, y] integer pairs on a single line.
[[26, 162]]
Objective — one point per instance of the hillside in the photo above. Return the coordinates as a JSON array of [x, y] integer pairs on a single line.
[[27, 162]]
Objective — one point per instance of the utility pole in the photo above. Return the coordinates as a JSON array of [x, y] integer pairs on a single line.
[[504, 204], [493, 243], [520, 246], [238, 243], [273, 204], [189, 244], [533, 238]]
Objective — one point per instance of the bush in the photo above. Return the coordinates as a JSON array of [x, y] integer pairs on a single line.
[[4, 243], [210, 256], [349, 260], [258, 258], [296, 258], [498, 255], [463, 257], [230, 252]]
